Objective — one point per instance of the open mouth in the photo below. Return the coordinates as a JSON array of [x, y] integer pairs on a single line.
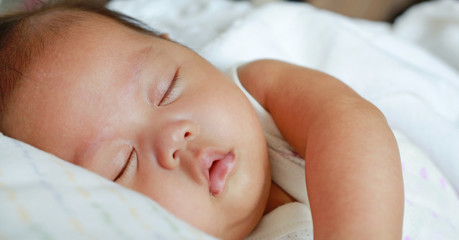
[[218, 170]]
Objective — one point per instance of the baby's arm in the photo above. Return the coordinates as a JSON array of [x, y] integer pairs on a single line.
[[353, 171]]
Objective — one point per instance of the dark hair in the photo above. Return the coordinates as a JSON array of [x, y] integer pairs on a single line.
[[24, 35]]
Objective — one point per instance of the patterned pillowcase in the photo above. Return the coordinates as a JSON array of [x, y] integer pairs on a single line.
[[44, 197]]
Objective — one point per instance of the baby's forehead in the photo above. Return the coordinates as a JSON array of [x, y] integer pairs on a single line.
[[58, 21], [60, 29]]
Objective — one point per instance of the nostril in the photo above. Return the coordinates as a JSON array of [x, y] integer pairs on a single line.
[[187, 134], [170, 162]]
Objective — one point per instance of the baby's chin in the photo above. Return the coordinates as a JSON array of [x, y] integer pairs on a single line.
[[244, 226], [239, 231]]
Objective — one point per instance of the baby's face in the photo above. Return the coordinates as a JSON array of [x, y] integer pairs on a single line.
[[152, 115]]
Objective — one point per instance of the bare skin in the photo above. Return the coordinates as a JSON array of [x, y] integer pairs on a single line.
[[151, 115], [348, 149], [120, 110]]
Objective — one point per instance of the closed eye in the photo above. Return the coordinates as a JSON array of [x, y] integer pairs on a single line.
[[171, 92], [129, 167]]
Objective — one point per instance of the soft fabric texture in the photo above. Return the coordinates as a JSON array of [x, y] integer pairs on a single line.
[[417, 91], [414, 82], [44, 197], [431, 206], [434, 26]]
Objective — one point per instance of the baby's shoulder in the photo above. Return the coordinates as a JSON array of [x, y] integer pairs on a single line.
[[260, 69], [258, 76]]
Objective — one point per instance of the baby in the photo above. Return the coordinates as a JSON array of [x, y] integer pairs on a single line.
[[99, 90]]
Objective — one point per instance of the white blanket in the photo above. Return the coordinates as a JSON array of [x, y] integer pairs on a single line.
[[410, 71], [418, 93]]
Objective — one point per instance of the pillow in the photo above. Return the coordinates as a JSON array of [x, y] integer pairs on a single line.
[[44, 197]]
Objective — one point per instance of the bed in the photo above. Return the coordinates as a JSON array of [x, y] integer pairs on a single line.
[[410, 70]]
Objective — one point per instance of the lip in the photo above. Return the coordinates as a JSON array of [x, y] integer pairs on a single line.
[[216, 167]]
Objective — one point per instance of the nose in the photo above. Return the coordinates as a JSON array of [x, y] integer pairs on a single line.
[[172, 138]]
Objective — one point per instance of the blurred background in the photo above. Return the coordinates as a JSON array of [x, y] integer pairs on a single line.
[[377, 10]]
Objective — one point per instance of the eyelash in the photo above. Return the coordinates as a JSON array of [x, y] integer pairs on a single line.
[[170, 91], [128, 166]]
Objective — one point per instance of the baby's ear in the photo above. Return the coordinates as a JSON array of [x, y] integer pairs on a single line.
[[165, 36]]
